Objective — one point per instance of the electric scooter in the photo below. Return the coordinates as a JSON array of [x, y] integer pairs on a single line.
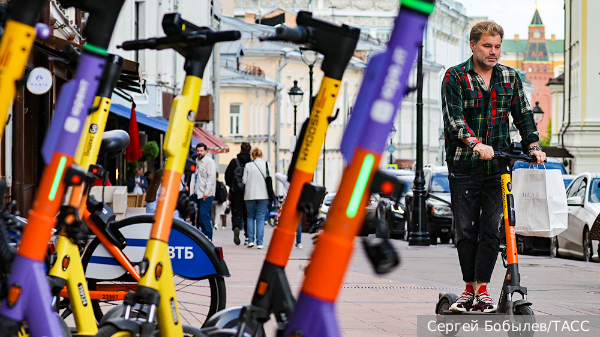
[[507, 305]]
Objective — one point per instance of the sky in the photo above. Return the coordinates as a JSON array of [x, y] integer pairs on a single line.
[[515, 15]]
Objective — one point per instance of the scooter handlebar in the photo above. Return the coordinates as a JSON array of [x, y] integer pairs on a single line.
[[518, 157], [297, 35], [224, 36], [139, 44], [198, 39]]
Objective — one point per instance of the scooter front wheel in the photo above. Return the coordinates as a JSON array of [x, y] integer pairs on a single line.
[[525, 317]]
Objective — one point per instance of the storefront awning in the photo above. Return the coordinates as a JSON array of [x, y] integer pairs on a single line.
[[214, 144], [153, 122]]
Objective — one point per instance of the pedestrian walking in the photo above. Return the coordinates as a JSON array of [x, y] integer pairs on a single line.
[[203, 187], [256, 197], [283, 179], [477, 97], [217, 212], [234, 179]]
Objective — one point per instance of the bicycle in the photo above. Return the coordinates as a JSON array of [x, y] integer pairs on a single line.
[[273, 293], [29, 297], [155, 289]]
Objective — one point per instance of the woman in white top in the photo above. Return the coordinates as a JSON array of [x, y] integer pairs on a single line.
[[256, 197]]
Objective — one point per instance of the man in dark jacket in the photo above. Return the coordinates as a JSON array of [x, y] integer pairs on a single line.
[[238, 206], [137, 184]]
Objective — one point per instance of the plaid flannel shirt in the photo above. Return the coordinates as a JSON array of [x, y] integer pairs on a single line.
[[471, 110]]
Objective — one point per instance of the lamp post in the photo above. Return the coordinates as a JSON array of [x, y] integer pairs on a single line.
[[419, 234], [296, 97], [310, 57], [538, 113], [392, 148]]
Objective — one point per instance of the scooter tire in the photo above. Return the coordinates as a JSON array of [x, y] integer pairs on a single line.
[[523, 314]]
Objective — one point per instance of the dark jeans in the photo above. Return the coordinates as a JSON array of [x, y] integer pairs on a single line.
[[204, 216], [477, 212]]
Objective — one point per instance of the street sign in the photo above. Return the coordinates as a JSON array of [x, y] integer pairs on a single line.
[[391, 166], [391, 148]]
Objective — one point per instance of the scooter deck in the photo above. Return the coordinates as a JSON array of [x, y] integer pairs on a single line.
[[448, 312]]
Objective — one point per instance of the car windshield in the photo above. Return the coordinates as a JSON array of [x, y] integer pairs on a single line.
[[440, 183], [408, 181], [567, 181], [595, 191]]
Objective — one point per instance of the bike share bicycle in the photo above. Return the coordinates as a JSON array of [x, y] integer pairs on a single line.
[[507, 305], [29, 297], [273, 294], [155, 289]]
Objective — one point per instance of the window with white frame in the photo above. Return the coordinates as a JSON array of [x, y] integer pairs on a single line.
[[235, 119]]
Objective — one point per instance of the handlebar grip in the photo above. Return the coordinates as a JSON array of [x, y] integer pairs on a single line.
[[139, 44], [295, 35], [228, 35]]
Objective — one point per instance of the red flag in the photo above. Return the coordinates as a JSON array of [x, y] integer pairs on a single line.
[[134, 150]]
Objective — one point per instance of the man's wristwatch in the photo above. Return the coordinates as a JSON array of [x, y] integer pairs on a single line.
[[534, 148], [473, 143]]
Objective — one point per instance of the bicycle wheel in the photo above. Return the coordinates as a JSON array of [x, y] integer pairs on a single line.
[[198, 298]]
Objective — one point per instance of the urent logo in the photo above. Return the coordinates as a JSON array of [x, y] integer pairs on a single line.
[[72, 123], [382, 110]]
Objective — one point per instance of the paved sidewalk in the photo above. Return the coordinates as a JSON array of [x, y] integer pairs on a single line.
[[367, 305]]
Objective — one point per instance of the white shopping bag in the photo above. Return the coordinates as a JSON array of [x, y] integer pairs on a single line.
[[540, 202]]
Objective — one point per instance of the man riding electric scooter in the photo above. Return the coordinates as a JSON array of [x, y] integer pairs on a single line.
[[477, 97]]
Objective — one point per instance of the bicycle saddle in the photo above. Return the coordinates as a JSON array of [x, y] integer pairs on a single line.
[[114, 141]]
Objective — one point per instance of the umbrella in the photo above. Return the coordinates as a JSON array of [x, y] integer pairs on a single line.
[[134, 150]]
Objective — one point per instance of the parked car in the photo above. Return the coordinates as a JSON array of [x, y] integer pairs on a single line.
[[392, 212], [583, 199], [369, 225], [438, 205], [567, 178], [552, 163]]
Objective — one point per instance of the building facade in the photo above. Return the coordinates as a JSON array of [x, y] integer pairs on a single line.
[[262, 112], [578, 122], [541, 60]]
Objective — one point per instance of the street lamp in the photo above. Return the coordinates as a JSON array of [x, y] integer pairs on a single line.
[[296, 97], [538, 113], [419, 234], [310, 57]]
